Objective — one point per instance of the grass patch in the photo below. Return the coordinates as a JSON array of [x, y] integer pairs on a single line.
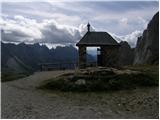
[[12, 76], [102, 80]]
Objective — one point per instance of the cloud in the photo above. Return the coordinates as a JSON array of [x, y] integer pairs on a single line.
[[130, 38], [124, 21], [56, 33], [21, 29], [104, 15]]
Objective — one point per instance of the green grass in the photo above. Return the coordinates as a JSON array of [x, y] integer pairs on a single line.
[[12, 76], [98, 81], [152, 71]]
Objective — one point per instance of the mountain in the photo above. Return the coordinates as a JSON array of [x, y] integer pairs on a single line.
[[24, 57], [11, 63], [147, 48]]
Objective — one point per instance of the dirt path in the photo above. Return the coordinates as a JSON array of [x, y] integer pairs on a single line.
[[21, 99]]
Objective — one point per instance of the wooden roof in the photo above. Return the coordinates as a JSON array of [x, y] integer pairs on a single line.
[[97, 39]]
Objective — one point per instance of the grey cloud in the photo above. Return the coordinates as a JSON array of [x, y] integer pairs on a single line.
[[22, 29], [49, 31], [104, 15], [130, 38]]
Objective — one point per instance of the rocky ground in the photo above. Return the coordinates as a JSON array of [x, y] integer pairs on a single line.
[[21, 99]]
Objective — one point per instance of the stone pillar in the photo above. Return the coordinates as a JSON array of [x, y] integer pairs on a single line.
[[82, 57]]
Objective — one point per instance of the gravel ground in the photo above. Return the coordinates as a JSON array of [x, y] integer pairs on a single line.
[[21, 99]]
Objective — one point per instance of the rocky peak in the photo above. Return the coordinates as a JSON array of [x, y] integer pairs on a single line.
[[147, 48]]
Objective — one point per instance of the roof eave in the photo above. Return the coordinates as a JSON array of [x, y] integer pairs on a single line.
[[79, 44]]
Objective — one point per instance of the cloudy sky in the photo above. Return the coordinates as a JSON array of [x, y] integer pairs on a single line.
[[65, 22]]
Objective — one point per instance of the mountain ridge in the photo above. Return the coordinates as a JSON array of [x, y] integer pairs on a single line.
[[30, 56]]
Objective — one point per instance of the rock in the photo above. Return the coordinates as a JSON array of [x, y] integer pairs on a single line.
[[127, 71], [126, 54], [147, 48], [80, 82]]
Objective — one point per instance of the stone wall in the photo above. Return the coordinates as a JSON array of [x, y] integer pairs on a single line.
[[125, 54], [82, 56], [109, 56]]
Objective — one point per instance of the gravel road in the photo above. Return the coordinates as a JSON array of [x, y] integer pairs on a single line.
[[21, 99]]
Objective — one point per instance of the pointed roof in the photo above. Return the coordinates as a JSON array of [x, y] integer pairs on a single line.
[[97, 39]]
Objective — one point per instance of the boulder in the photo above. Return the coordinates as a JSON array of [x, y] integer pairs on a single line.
[[80, 82]]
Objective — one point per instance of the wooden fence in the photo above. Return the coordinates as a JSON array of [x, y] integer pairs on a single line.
[[57, 66], [62, 65]]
